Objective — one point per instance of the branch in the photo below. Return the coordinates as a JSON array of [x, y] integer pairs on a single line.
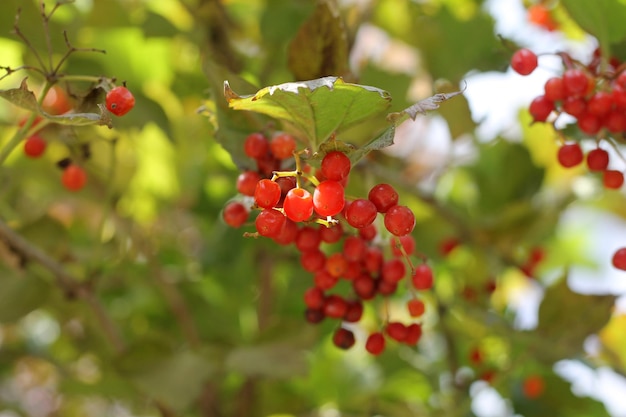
[[66, 281]]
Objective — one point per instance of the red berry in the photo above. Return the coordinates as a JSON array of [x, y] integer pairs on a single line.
[[336, 264], [554, 90], [589, 123], [413, 334], [74, 177], [540, 15], [364, 287], [407, 243], [335, 306], [343, 338], [247, 181], [120, 101], [570, 155], [267, 193], [575, 82], [328, 198], [393, 270], [373, 261], [314, 315], [384, 196], [298, 204], [476, 356], [313, 260], [287, 234], [323, 280], [256, 145], [399, 220], [540, 108], [308, 238], [331, 234], [375, 343], [615, 121], [56, 101], [422, 277], [600, 103], [524, 61], [619, 259], [269, 222], [282, 145], [386, 287], [235, 214], [574, 106], [448, 245], [335, 166], [613, 179], [396, 330], [34, 146], [355, 311], [361, 213], [354, 248], [415, 307], [314, 297], [597, 159], [368, 232]]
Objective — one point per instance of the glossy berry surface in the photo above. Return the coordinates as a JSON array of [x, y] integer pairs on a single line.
[[34, 146], [597, 159], [74, 177], [524, 61], [361, 213], [613, 179], [328, 198], [422, 278], [269, 222], [235, 214], [298, 204], [399, 220], [267, 193], [384, 196], [120, 101], [282, 145], [256, 145], [335, 166], [343, 338]]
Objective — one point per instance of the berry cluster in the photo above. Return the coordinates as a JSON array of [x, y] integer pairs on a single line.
[[594, 94], [119, 101], [339, 239]]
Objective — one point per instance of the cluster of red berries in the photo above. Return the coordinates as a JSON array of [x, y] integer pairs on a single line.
[[595, 95], [119, 101], [338, 238]]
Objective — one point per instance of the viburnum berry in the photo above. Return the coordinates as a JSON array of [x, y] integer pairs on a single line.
[[74, 177], [328, 198], [600, 103], [385, 288], [373, 261], [396, 330], [120, 101], [413, 334], [375, 343], [364, 287], [597, 159], [613, 179], [314, 315], [354, 248], [393, 270], [589, 123], [287, 234], [574, 106], [269, 222], [575, 82], [540, 108], [282, 145], [540, 15], [422, 277], [361, 213], [235, 214], [335, 166], [368, 232], [308, 238], [267, 193], [404, 243], [313, 260], [323, 280], [384, 196], [554, 89], [354, 312], [399, 220], [570, 155], [619, 259], [298, 204], [415, 307], [615, 121], [256, 145], [34, 146], [247, 181], [335, 306], [343, 338], [524, 61], [331, 234], [336, 264], [56, 101], [314, 297]]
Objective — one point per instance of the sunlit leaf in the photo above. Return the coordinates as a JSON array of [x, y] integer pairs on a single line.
[[315, 109], [604, 20], [21, 97]]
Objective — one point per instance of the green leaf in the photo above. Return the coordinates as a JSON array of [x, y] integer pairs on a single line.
[[320, 47], [276, 360], [604, 19], [315, 109], [567, 318], [422, 106], [21, 97], [174, 378], [20, 294]]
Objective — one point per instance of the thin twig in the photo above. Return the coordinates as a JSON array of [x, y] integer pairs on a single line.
[[18, 33]]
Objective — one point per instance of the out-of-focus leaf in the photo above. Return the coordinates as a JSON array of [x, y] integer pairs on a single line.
[[567, 318], [320, 47], [274, 360], [315, 109], [174, 378], [20, 294], [604, 20]]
